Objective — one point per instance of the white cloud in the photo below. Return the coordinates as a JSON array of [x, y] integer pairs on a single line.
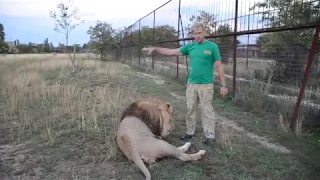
[[115, 11], [125, 12], [106, 10]]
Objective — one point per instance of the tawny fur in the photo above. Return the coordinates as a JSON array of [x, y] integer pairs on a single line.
[[141, 123]]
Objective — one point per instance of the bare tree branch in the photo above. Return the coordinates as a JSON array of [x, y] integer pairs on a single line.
[[66, 20]]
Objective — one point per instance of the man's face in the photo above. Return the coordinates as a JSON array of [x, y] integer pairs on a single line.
[[198, 35]]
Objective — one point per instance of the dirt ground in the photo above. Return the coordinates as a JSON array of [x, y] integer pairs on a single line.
[[61, 125]]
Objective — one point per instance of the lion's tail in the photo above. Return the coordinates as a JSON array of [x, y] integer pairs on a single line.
[[136, 157]]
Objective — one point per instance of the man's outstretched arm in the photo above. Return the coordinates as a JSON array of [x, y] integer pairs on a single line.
[[167, 51], [163, 51]]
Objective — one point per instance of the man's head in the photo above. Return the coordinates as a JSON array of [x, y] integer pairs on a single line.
[[199, 32]]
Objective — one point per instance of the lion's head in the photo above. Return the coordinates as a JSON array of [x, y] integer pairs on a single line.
[[157, 115]]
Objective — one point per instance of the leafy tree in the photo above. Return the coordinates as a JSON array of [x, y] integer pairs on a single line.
[[2, 33], [51, 47], [17, 42], [289, 49], [46, 46], [209, 21], [26, 48], [161, 33], [102, 37], [4, 47], [66, 20], [145, 36], [84, 46], [205, 18], [225, 43]]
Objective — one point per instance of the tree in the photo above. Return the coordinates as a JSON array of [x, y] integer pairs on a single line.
[[209, 22], [147, 35], [205, 18], [4, 47], [46, 46], [17, 42], [84, 46], [2, 33], [161, 33], [290, 48], [102, 37], [66, 20], [51, 47]]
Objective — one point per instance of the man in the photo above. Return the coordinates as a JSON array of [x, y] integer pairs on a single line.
[[204, 54]]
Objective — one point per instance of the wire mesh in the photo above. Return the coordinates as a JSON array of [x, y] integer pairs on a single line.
[[273, 39]]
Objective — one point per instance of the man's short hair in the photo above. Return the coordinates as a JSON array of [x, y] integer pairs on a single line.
[[197, 26]]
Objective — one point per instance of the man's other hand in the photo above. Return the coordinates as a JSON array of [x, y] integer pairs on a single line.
[[223, 91]]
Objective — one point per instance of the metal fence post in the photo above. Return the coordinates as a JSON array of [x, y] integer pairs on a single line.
[[184, 43], [154, 25], [131, 43], [305, 79], [235, 50], [178, 42], [139, 42], [120, 46], [247, 61]]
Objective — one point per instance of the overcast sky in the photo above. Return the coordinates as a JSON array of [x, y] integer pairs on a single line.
[[29, 21]]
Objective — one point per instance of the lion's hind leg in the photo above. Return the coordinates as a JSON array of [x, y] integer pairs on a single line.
[[132, 153], [185, 147], [169, 150]]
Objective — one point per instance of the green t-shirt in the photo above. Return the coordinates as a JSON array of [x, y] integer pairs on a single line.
[[203, 56]]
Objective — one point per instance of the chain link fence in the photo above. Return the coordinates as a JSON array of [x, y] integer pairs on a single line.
[[265, 46]]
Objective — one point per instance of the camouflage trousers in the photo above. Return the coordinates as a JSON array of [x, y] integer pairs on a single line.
[[200, 94]]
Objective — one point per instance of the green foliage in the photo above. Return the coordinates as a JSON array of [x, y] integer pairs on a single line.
[[161, 33], [85, 46], [2, 33], [289, 12], [289, 48], [205, 18], [3, 47], [66, 18], [27, 48], [16, 42], [146, 36], [30, 47], [102, 37]]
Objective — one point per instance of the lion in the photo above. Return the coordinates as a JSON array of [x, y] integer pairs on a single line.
[[143, 125]]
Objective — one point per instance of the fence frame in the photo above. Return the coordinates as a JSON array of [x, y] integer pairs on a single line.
[[235, 35], [312, 52]]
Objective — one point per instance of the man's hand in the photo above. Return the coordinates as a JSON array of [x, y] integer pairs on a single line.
[[148, 50], [223, 91]]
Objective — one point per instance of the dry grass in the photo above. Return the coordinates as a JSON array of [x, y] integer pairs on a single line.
[[55, 109], [61, 125], [285, 118], [226, 136], [248, 71]]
